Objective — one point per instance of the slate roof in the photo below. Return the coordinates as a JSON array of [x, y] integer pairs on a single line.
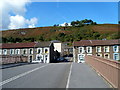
[[96, 42], [43, 44], [17, 45]]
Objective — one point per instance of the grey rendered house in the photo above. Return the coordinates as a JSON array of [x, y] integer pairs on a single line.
[[109, 49], [18, 49], [44, 52]]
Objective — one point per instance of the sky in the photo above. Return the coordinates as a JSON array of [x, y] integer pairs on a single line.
[[26, 14]]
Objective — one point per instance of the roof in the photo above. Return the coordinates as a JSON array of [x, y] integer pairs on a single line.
[[56, 41], [17, 45], [43, 44], [96, 42]]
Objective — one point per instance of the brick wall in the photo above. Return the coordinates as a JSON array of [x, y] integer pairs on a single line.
[[109, 69]]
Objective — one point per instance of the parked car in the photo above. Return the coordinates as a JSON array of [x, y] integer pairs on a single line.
[[62, 59]]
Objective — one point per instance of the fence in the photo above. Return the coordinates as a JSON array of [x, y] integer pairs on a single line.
[[109, 69], [6, 59]]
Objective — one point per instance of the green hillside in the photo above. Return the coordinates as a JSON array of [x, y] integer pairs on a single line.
[[67, 33]]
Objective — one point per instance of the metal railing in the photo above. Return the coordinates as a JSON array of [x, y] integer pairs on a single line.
[[109, 69]]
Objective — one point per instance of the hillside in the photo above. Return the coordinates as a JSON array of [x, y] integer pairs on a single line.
[[51, 33]]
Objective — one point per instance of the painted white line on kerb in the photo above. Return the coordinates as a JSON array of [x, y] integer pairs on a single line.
[[68, 81], [20, 75]]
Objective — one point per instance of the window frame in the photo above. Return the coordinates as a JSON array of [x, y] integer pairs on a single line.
[[47, 49], [100, 50], [108, 55], [40, 50], [82, 48], [108, 49], [23, 51], [31, 52], [118, 56], [17, 52], [99, 54], [12, 51], [5, 53], [117, 50], [88, 48]]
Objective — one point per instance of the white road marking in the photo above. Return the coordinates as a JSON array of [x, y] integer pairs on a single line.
[[68, 81], [20, 75]]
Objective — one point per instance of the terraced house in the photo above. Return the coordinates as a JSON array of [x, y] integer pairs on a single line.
[[44, 52], [35, 51], [109, 49]]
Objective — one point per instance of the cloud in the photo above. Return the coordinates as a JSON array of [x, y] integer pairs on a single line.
[[20, 22], [16, 22], [69, 24], [13, 12], [31, 23]]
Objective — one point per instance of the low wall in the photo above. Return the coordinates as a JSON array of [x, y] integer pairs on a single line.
[[6, 59], [109, 69]]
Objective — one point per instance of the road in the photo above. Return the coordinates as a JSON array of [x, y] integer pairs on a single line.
[[53, 75]]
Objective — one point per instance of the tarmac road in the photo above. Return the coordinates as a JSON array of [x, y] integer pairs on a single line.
[[53, 75]]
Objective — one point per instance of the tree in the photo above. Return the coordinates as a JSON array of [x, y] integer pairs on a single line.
[[4, 40], [66, 24], [73, 23], [11, 39], [61, 34], [54, 25], [18, 40]]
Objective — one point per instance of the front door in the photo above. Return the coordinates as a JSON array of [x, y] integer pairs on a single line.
[[46, 58], [81, 58], [30, 58], [39, 58]]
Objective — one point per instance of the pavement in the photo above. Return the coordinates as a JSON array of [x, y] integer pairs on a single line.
[[53, 75], [13, 65]]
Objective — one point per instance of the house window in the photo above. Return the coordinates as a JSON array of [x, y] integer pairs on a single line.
[[0, 51], [98, 49], [81, 58], [116, 48], [11, 51], [106, 48], [71, 50], [17, 51], [46, 50], [65, 49], [106, 55], [98, 54], [4, 51], [31, 51], [81, 49], [39, 58], [39, 50], [89, 49], [24, 51], [116, 56]]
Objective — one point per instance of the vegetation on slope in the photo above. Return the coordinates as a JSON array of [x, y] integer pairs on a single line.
[[78, 31]]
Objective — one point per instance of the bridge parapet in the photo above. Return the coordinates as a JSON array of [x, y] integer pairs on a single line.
[[108, 68]]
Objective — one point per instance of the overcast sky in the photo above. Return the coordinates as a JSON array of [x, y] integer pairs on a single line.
[[27, 14]]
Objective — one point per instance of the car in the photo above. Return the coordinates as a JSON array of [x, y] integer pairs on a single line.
[[61, 59]]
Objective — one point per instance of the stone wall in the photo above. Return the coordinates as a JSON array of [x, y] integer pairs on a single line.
[[6, 59]]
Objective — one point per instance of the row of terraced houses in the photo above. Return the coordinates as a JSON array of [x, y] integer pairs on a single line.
[[45, 52]]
